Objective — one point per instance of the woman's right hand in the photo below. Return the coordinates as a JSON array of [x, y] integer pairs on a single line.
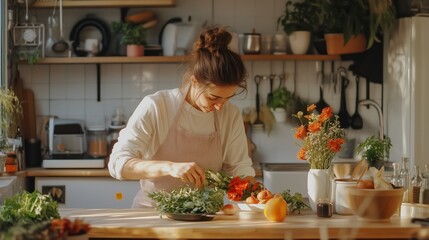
[[189, 172]]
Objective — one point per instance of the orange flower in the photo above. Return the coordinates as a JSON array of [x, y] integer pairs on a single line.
[[301, 132], [301, 154], [335, 144], [326, 114], [239, 189], [314, 127], [320, 137], [311, 107]]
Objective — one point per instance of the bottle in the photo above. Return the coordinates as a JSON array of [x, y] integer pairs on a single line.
[[11, 164], [396, 178], [424, 188], [416, 183], [405, 178]]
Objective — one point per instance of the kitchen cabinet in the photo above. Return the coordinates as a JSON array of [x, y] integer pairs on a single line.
[[176, 59], [106, 3], [89, 192]]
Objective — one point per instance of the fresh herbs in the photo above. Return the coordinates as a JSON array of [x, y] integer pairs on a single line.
[[27, 208], [189, 200], [218, 179], [295, 202]]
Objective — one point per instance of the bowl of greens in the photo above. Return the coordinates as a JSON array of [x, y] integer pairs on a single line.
[[189, 204]]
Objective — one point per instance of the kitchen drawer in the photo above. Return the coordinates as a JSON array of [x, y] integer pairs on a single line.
[[89, 192]]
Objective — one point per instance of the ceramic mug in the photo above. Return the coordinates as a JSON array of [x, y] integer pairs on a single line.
[[92, 46], [339, 196]]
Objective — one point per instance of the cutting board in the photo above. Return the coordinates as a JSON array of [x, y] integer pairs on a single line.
[[29, 111]]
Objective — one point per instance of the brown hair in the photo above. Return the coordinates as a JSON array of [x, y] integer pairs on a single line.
[[211, 60]]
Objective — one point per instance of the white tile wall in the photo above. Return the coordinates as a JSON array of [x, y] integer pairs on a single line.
[[69, 91]]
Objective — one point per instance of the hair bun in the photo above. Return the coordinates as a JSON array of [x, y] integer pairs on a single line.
[[214, 39]]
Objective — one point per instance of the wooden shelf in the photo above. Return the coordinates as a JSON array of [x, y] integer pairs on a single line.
[[178, 59], [106, 3]]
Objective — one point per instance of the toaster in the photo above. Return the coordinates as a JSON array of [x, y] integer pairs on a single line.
[[67, 138]]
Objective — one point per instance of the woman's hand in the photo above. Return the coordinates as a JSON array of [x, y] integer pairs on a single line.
[[189, 172]]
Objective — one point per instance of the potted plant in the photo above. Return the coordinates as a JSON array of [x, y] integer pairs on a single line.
[[298, 21], [279, 103], [133, 36], [10, 109], [374, 150], [353, 26]]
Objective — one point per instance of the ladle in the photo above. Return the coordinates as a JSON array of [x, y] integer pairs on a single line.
[[321, 104], [356, 119], [258, 80], [61, 45]]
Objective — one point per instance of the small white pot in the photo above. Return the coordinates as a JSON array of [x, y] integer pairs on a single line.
[[279, 114], [299, 42]]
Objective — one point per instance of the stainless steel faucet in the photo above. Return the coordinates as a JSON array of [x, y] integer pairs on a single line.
[[370, 102]]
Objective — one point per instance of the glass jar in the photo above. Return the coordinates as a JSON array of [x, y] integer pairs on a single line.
[[97, 142], [324, 208], [113, 136]]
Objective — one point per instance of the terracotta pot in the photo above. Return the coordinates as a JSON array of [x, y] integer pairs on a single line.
[[135, 50], [335, 44]]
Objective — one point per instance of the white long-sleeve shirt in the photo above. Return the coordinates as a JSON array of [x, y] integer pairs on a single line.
[[148, 127]]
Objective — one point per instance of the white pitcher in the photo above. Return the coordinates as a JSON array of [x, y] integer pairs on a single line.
[[339, 196]]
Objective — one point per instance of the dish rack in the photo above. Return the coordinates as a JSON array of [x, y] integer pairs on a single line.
[[30, 36]]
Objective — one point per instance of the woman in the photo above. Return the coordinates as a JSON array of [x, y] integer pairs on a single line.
[[173, 136]]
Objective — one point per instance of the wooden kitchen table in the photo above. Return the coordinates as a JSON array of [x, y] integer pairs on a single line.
[[146, 223]]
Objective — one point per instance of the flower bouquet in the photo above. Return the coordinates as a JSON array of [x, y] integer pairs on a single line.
[[321, 137]]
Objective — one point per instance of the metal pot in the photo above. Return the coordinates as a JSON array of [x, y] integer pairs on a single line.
[[252, 43]]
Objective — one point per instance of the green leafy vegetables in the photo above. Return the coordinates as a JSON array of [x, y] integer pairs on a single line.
[[27, 208], [189, 200], [295, 202], [218, 179]]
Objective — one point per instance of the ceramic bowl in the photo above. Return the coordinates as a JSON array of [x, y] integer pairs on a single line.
[[374, 204]]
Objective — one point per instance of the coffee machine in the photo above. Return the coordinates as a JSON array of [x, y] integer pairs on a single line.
[[67, 145]]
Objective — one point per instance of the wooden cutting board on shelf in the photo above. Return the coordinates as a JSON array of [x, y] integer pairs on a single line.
[[29, 111]]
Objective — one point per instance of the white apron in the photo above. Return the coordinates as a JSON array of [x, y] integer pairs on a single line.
[[182, 146]]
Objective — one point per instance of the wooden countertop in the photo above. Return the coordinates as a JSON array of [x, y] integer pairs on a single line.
[[146, 223], [87, 172]]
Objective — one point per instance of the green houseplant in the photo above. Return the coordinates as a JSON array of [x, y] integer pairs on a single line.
[[354, 18], [10, 110], [298, 16], [299, 21], [374, 150], [279, 103], [133, 36]]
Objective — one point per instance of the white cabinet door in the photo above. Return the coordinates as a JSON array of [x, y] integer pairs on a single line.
[[89, 192]]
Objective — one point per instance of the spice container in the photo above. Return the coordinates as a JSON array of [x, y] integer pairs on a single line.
[[11, 165], [324, 208], [97, 142]]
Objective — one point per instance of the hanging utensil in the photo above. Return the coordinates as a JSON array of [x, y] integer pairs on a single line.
[[270, 94], [333, 76], [343, 113], [356, 119], [257, 80], [61, 45], [321, 104]]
